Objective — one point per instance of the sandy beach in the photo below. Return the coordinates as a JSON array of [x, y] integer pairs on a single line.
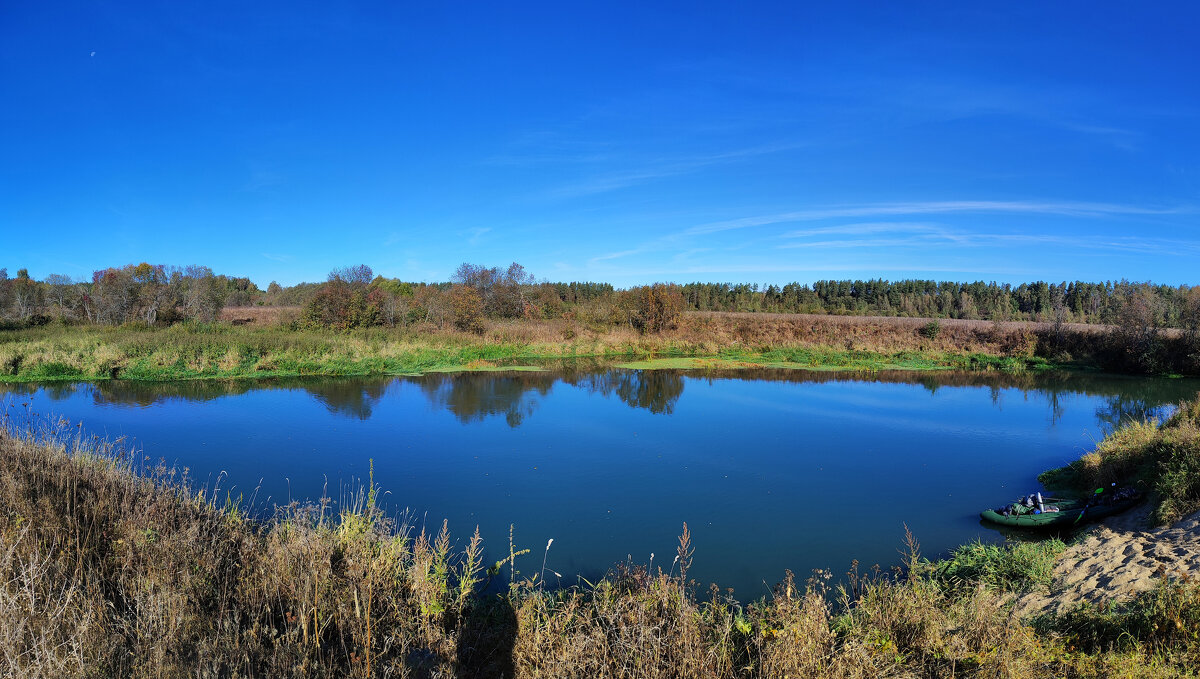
[[1118, 558]]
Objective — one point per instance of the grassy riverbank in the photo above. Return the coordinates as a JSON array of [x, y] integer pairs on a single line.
[[105, 571], [1161, 460], [196, 351]]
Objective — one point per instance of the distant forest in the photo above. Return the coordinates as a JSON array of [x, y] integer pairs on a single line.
[[355, 296]]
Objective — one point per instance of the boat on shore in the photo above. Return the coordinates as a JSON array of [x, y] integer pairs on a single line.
[[1061, 514]]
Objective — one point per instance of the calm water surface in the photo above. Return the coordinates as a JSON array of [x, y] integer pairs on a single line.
[[770, 469]]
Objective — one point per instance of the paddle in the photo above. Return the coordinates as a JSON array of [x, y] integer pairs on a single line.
[[1088, 504]]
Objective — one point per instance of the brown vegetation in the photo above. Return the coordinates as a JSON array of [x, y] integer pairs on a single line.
[[259, 316], [716, 330]]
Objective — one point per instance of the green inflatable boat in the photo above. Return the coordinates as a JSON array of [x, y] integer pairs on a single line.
[[1070, 513]]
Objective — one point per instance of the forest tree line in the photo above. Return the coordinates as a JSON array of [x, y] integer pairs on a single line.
[[355, 297]]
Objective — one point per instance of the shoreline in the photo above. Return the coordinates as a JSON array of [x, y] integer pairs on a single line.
[[498, 358], [683, 363]]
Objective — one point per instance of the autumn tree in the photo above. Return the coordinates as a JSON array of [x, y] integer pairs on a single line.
[[358, 275], [466, 307], [393, 298], [154, 290], [274, 292], [5, 291], [653, 308], [199, 292], [431, 304], [113, 294], [238, 290], [1136, 332], [501, 292], [1189, 322], [59, 291], [26, 295], [342, 302]]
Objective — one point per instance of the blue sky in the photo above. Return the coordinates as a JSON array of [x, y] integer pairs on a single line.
[[628, 143]]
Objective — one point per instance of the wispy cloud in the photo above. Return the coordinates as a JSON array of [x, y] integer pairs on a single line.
[[688, 254], [867, 228], [645, 171], [475, 235], [616, 255], [906, 234], [790, 268], [1065, 209], [873, 243]]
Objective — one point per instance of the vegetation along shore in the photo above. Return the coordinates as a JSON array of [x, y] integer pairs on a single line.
[[111, 568], [158, 323]]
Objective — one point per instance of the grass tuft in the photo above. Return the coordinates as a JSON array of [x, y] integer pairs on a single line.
[[1017, 568]]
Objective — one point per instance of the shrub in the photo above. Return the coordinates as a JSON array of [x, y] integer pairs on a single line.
[[653, 308], [1165, 617]]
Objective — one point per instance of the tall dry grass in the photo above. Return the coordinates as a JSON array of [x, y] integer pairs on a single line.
[[260, 316]]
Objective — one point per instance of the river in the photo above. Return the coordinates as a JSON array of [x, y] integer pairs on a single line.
[[772, 470]]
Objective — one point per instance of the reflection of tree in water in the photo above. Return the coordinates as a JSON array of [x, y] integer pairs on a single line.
[[19, 389], [143, 394], [472, 397], [352, 398], [655, 390], [1122, 409]]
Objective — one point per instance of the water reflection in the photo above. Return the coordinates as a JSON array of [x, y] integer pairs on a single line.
[[354, 400], [610, 462], [1122, 409], [655, 390], [515, 396], [472, 397]]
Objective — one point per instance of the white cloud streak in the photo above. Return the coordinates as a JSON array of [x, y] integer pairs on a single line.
[[477, 234], [651, 171], [1063, 209], [615, 255], [926, 235]]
